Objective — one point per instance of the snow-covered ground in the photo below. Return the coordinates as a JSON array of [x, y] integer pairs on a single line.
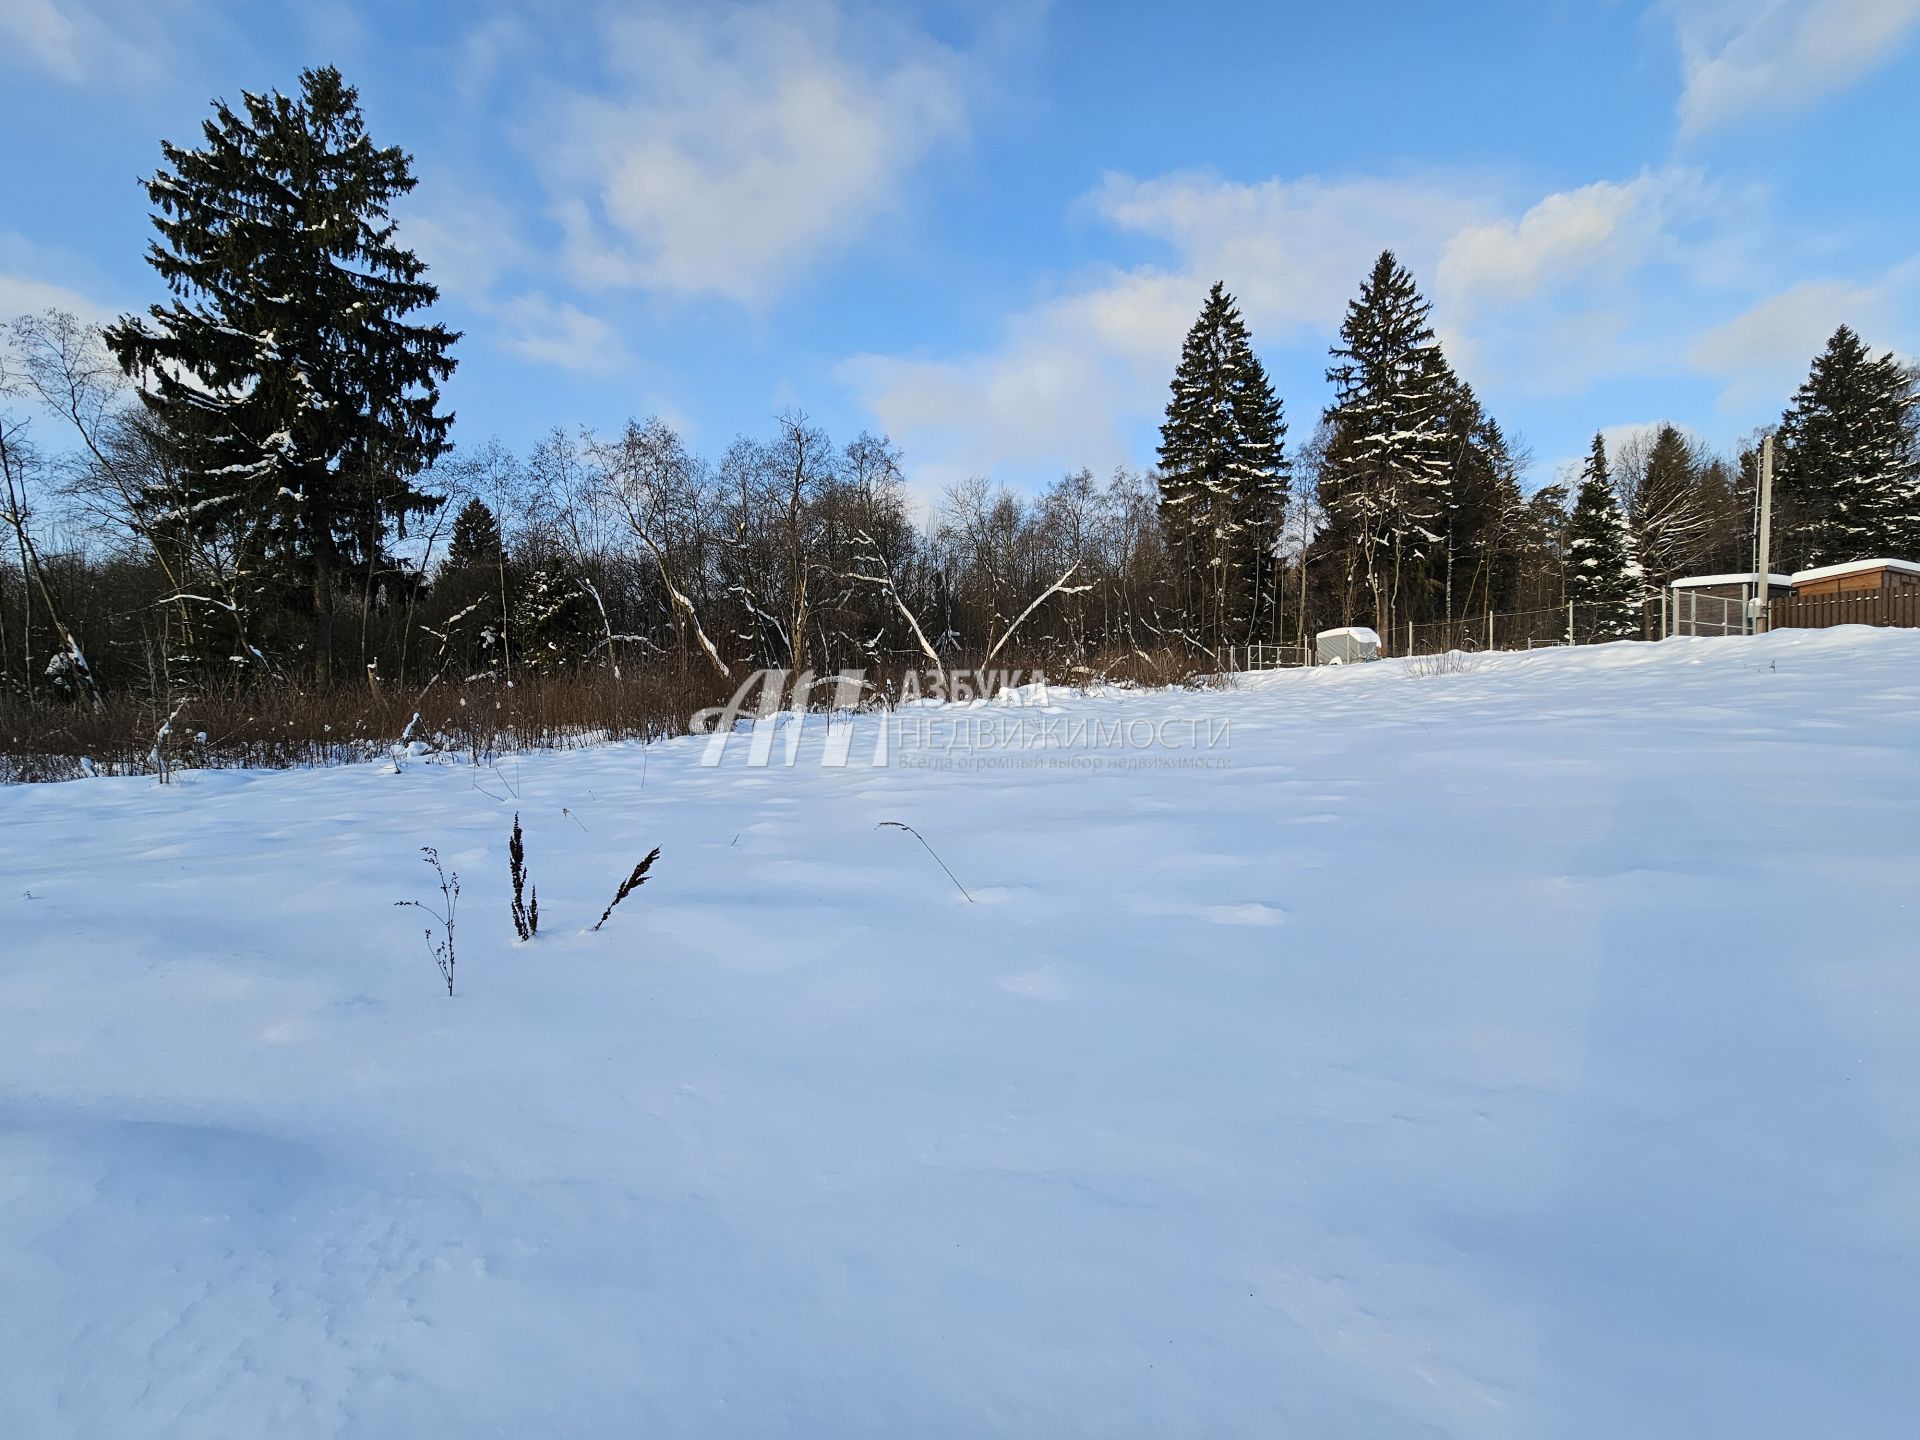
[[1525, 1050]]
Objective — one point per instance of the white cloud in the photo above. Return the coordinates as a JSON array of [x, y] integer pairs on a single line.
[[45, 35], [469, 241], [1055, 393], [488, 53], [36, 278], [1293, 250], [1591, 282], [1766, 350], [1610, 226], [81, 43], [555, 332], [25, 295], [1072, 372], [1742, 56], [733, 148], [1546, 298], [478, 256], [1787, 327]]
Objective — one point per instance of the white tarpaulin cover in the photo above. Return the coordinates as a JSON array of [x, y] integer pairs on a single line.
[[1345, 645]]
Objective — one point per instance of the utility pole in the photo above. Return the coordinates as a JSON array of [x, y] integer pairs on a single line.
[[1762, 608]]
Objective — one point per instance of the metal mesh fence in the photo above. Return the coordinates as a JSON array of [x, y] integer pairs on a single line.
[[1679, 612], [1267, 657], [1691, 613]]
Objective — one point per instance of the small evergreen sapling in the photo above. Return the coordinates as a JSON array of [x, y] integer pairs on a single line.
[[526, 899]]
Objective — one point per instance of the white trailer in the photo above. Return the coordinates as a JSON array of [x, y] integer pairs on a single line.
[[1346, 645]]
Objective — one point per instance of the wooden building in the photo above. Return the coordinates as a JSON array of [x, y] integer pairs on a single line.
[[1857, 577], [1861, 592]]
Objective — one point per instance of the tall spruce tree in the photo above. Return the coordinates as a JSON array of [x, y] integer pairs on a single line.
[[295, 397], [1223, 477], [1666, 510], [1478, 559], [1384, 485], [1849, 459], [1604, 580], [1726, 499]]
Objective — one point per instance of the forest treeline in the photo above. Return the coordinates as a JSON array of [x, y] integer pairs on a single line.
[[253, 485]]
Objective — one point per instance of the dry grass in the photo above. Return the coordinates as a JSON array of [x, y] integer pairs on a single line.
[[293, 728], [1446, 662]]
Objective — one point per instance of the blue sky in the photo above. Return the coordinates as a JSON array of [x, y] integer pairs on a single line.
[[983, 227]]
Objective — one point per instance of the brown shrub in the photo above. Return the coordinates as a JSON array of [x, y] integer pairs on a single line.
[[294, 727]]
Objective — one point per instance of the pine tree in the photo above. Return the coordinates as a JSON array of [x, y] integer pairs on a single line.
[[1223, 476], [1726, 499], [1385, 482], [1604, 580], [1479, 558], [553, 625], [475, 587], [296, 400], [475, 543], [1900, 507], [1541, 541], [1666, 509], [1848, 458]]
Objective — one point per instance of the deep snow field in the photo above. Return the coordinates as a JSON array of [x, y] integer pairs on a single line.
[[1529, 1050]]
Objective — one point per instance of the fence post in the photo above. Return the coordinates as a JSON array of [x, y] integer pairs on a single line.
[[1570, 639], [1763, 541], [1489, 629]]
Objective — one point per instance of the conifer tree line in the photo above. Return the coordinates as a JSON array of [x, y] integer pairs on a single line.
[[254, 483]]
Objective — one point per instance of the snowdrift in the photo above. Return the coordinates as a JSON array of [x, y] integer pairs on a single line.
[[1521, 1047]]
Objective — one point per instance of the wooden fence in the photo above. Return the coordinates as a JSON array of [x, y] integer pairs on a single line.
[[1817, 612]]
